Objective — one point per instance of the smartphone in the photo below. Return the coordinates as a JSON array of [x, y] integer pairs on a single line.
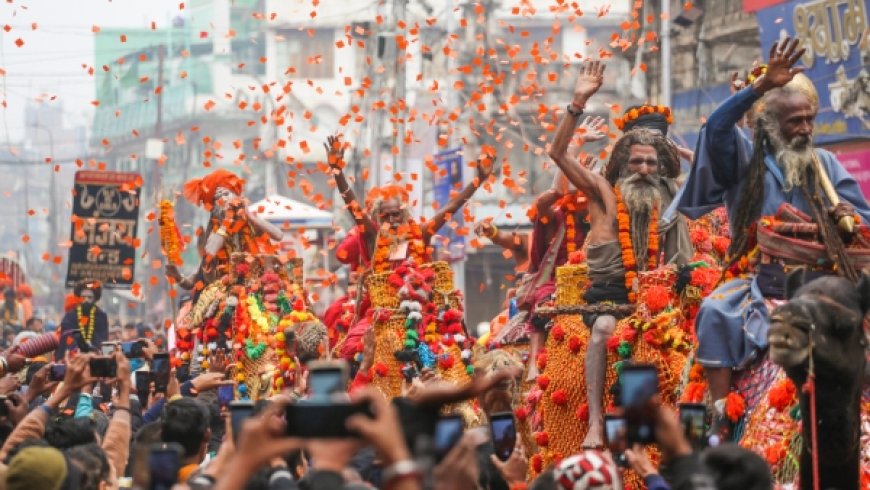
[[239, 411], [327, 378], [104, 367], [57, 372], [164, 461], [448, 432], [639, 383], [160, 371], [134, 349], [225, 394], [143, 387], [316, 420], [504, 434], [616, 433], [182, 373], [108, 348], [693, 419]]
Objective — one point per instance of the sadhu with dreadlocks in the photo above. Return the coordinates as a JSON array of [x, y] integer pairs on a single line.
[[756, 178], [626, 234]]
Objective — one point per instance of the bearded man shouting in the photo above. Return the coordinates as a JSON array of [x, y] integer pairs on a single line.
[[626, 235], [753, 179]]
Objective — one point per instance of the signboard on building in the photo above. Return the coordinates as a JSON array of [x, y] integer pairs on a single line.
[[103, 230], [447, 178], [691, 109], [837, 59]]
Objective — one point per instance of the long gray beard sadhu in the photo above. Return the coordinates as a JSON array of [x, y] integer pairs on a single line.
[[794, 157], [640, 193]]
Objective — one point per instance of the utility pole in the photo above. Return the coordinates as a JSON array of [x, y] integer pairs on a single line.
[[665, 96], [399, 11]]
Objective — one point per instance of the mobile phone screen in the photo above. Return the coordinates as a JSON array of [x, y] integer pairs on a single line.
[[616, 431], [239, 411], [448, 431], [693, 419], [57, 372], [143, 388], [225, 395], [163, 465], [504, 434], [107, 349], [324, 382], [103, 367], [132, 349], [160, 369], [311, 420], [639, 384]]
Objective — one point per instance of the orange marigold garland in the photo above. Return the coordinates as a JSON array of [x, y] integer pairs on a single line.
[[570, 205], [170, 237], [416, 248], [642, 111], [629, 261]]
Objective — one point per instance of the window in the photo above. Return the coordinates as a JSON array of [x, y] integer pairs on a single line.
[[310, 52]]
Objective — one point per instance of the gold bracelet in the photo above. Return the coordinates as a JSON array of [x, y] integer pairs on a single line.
[[493, 233]]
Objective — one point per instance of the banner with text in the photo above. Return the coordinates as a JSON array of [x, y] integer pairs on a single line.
[[103, 231], [834, 32], [448, 177]]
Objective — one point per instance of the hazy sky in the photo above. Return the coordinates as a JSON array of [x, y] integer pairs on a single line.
[[51, 58]]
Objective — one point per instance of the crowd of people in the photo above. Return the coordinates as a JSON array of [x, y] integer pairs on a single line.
[[89, 406]]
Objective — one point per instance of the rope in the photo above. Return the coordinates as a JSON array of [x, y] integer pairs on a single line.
[[809, 388]]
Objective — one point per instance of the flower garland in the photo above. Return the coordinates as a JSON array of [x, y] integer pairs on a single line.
[[570, 204], [170, 238], [416, 248], [87, 322], [643, 111], [629, 260], [756, 73]]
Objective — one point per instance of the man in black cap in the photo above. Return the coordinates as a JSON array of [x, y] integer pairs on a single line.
[[86, 317]]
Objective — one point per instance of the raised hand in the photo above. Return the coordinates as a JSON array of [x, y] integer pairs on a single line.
[[780, 66], [590, 80], [592, 129], [334, 151], [737, 83]]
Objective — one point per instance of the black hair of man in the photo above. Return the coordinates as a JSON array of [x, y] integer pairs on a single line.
[[65, 432], [92, 463], [186, 421], [736, 468]]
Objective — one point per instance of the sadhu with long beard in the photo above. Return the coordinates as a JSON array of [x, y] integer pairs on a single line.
[[754, 179], [626, 235], [386, 234]]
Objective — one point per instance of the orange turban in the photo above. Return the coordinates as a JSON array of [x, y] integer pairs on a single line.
[[201, 191]]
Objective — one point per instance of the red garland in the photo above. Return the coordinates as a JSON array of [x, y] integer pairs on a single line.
[[381, 369], [574, 344], [541, 438], [558, 333], [559, 397], [541, 360], [521, 413], [735, 406], [694, 392], [543, 381], [783, 395], [537, 462], [657, 298]]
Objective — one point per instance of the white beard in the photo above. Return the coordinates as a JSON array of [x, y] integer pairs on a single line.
[[640, 194], [793, 157]]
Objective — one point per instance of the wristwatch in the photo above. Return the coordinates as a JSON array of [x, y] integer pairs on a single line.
[[574, 110]]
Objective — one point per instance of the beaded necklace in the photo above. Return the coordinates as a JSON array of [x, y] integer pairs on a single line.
[[570, 205]]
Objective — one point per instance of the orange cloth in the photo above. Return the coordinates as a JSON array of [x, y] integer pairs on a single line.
[[201, 191]]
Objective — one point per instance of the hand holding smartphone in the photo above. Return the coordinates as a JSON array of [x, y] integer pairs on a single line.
[[448, 432], [240, 410], [57, 372], [616, 432], [103, 367], [504, 434], [160, 371], [326, 378], [693, 418], [639, 384]]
